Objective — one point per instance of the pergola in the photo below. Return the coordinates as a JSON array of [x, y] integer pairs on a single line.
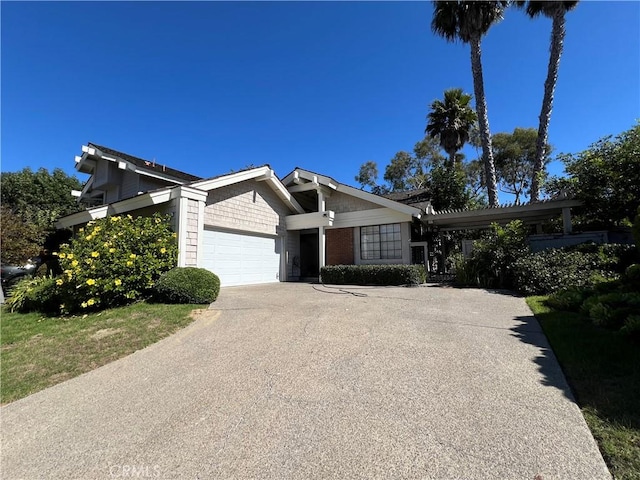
[[530, 213]]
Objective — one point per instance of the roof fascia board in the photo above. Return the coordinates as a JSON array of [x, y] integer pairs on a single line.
[[213, 183], [385, 202], [123, 206], [316, 178], [284, 194]]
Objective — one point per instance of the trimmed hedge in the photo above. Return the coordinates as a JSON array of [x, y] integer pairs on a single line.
[[373, 274], [187, 285]]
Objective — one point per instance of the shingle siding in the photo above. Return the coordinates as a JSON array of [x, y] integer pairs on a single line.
[[249, 206], [340, 202], [192, 234]]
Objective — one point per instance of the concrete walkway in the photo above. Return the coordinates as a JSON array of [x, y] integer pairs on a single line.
[[295, 381]]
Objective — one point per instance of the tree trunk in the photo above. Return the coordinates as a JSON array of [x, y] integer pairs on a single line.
[[483, 121], [557, 41], [452, 161]]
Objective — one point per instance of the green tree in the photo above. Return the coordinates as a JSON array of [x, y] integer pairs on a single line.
[[468, 22], [19, 240], [515, 157], [39, 197], [451, 121], [556, 11], [606, 177], [368, 175]]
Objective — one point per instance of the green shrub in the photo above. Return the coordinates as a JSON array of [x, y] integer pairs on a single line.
[[187, 285], [583, 265], [612, 309], [569, 299], [31, 294], [373, 274], [492, 258], [632, 274], [114, 261]]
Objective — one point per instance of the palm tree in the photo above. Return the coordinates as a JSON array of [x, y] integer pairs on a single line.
[[468, 22], [556, 11], [451, 121]]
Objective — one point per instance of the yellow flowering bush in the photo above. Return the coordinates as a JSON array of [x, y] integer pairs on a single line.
[[114, 261]]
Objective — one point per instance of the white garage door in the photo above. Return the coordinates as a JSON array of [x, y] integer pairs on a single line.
[[241, 259]]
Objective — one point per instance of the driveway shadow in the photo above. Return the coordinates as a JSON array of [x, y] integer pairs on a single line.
[[528, 330]]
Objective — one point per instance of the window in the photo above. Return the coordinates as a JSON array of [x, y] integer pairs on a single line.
[[379, 242]]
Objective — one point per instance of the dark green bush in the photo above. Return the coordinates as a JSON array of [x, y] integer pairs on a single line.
[[187, 285], [631, 326], [492, 259], [632, 274], [579, 266], [373, 274]]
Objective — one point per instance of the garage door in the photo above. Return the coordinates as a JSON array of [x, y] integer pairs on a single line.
[[241, 259]]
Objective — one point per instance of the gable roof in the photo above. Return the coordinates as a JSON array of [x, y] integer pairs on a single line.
[[150, 166], [299, 175], [262, 173]]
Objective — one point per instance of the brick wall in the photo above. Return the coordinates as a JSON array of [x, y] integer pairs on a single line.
[[339, 246], [252, 206]]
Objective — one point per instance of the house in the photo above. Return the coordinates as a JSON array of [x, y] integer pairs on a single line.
[[251, 226]]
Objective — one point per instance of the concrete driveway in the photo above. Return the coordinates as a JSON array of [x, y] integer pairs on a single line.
[[296, 381]]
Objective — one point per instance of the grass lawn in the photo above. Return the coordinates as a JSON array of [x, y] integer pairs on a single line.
[[603, 369], [38, 352]]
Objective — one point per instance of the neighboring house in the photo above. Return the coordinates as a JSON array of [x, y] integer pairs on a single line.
[[250, 226]]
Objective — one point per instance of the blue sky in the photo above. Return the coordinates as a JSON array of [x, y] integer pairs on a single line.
[[210, 87]]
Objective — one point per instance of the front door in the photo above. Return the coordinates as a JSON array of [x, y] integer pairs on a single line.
[[309, 262]]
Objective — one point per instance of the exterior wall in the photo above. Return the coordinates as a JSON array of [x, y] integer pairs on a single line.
[[340, 246], [146, 183], [192, 234], [542, 242], [293, 255], [249, 206], [112, 194], [340, 202], [130, 183], [405, 232]]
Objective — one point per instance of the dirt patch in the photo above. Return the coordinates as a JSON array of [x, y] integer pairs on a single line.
[[105, 332]]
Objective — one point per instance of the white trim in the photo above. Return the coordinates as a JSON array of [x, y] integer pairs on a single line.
[[385, 202], [218, 182], [310, 220], [183, 209], [363, 218], [160, 177]]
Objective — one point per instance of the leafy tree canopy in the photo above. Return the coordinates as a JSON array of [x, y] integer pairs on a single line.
[[515, 155], [606, 177], [39, 197]]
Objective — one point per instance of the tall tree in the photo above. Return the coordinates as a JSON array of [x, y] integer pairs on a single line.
[[556, 11], [515, 155], [468, 22], [450, 121]]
